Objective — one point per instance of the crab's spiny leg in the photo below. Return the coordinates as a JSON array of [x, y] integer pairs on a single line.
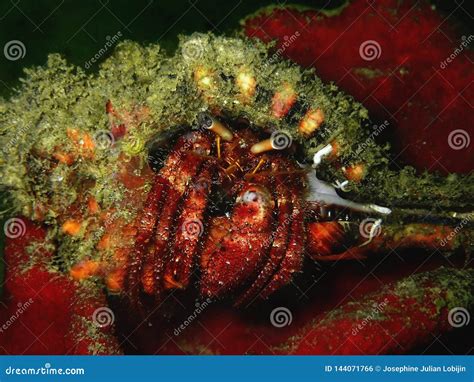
[[146, 222], [180, 167], [279, 244], [152, 269], [293, 260], [191, 227], [167, 229], [240, 252]]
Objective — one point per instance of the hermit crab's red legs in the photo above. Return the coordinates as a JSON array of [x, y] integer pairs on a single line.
[[236, 257], [294, 257], [145, 226], [280, 236], [190, 227], [168, 184], [179, 174]]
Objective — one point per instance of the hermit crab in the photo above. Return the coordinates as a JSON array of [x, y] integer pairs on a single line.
[[218, 167]]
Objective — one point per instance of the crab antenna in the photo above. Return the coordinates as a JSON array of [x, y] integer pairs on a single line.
[[206, 121]]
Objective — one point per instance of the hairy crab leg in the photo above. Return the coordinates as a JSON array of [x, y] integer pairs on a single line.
[[191, 226], [179, 173], [184, 246], [140, 268], [279, 243], [239, 253], [152, 259], [146, 222], [293, 260]]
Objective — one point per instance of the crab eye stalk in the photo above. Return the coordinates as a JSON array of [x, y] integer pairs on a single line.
[[206, 121], [278, 141]]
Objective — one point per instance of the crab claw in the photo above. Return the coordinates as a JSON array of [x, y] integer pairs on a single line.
[[237, 247]]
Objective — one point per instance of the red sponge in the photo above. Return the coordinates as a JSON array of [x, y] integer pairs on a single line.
[[401, 59]]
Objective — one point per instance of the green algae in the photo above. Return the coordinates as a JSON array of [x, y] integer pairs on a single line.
[[369, 72], [156, 93]]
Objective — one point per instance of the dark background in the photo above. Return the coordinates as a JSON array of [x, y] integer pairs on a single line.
[[78, 28]]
